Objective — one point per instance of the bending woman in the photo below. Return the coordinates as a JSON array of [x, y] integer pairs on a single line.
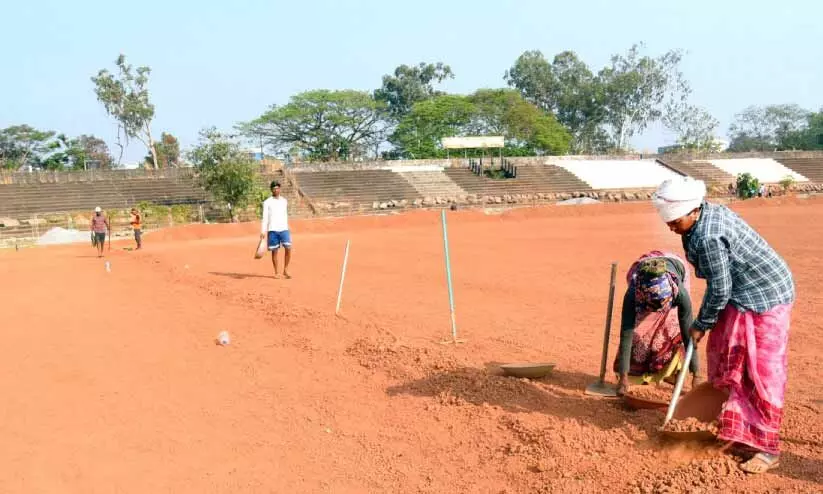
[[747, 306], [656, 318]]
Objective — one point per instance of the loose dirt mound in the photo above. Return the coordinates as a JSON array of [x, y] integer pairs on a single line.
[[698, 476], [399, 361], [691, 424], [652, 393]]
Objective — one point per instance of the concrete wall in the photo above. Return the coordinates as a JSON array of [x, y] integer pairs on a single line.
[[186, 173]]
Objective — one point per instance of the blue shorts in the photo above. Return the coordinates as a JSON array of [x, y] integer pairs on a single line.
[[276, 239]]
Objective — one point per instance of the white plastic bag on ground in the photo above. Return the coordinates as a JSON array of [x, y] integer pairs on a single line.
[[261, 249]]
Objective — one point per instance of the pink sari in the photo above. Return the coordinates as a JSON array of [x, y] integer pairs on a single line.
[[747, 358], [656, 339]]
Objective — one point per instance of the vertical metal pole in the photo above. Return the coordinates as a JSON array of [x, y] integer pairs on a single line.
[[342, 277], [608, 324], [448, 273]]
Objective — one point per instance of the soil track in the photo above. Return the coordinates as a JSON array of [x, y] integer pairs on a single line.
[[113, 382]]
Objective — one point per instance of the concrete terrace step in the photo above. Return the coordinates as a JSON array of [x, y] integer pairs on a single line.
[[811, 168], [349, 186], [530, 179], [700, 170], [433, 184]]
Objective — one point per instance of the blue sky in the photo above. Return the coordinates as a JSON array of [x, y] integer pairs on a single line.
[[217, 63]]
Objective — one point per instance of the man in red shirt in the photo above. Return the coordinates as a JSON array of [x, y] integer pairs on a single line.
[[99, 228]]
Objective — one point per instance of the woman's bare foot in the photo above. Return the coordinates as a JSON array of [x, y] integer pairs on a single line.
[[287, 276]]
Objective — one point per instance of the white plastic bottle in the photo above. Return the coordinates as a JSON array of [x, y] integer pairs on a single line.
[[223, 338]]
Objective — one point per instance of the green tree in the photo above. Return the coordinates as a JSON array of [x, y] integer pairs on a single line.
[[568, 89], [324, 125], [637, 90], [125, 96], [409, 85], [527, 129], [167, 150], [695, 127], [63, 153], [77, 154], [95, 153], [767, 128], [225, 171], [812, 136], [23, 145], [419, 133]]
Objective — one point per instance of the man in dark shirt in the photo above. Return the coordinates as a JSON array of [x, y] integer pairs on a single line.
[[747, 307]]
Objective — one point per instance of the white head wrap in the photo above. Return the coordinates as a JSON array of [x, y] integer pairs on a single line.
[[98, 210], [677, 197]]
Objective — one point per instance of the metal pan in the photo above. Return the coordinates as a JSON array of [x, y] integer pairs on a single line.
[[637, 403], [527, 370]]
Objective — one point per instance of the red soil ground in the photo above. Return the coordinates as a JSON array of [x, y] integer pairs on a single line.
[[113, 382]]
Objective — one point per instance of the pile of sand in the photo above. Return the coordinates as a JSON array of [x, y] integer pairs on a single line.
[[59, 235], [578, 201]]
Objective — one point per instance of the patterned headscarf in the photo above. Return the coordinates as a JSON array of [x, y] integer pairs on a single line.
[[654, 289]]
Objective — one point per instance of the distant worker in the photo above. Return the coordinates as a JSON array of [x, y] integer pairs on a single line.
[[275, 224], [655, 323], [747, 309], [99, 228], [137, 226]]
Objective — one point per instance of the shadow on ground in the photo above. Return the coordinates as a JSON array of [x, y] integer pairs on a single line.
[[241, 276], [560, 394], [800, 468]]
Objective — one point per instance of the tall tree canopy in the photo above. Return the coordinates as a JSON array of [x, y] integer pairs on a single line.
[[418, 134], [526, 128], [323, 125], [622, 99], [637, 89], [568, 89], [23, 145], [812, 136], [125, 96], [225, 170], [167, 150], [767, 128], [409, 85], [695, 127], [95, 153]]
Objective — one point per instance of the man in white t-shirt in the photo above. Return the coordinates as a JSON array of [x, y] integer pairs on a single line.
[[276, 225]]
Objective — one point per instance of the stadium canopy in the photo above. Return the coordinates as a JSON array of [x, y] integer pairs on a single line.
[[473, 142]]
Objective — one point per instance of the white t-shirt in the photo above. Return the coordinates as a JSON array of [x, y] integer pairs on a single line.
[[275, 215]]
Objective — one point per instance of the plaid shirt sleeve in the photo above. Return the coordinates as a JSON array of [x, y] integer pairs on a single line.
[[713, 257]]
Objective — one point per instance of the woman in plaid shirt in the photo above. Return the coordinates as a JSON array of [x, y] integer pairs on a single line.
[[747, 307]]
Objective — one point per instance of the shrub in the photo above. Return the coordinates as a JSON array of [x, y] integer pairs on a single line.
[[786, 183], [747, 186]]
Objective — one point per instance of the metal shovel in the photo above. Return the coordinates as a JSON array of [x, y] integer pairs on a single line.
[[704, 403], [681, 378]]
